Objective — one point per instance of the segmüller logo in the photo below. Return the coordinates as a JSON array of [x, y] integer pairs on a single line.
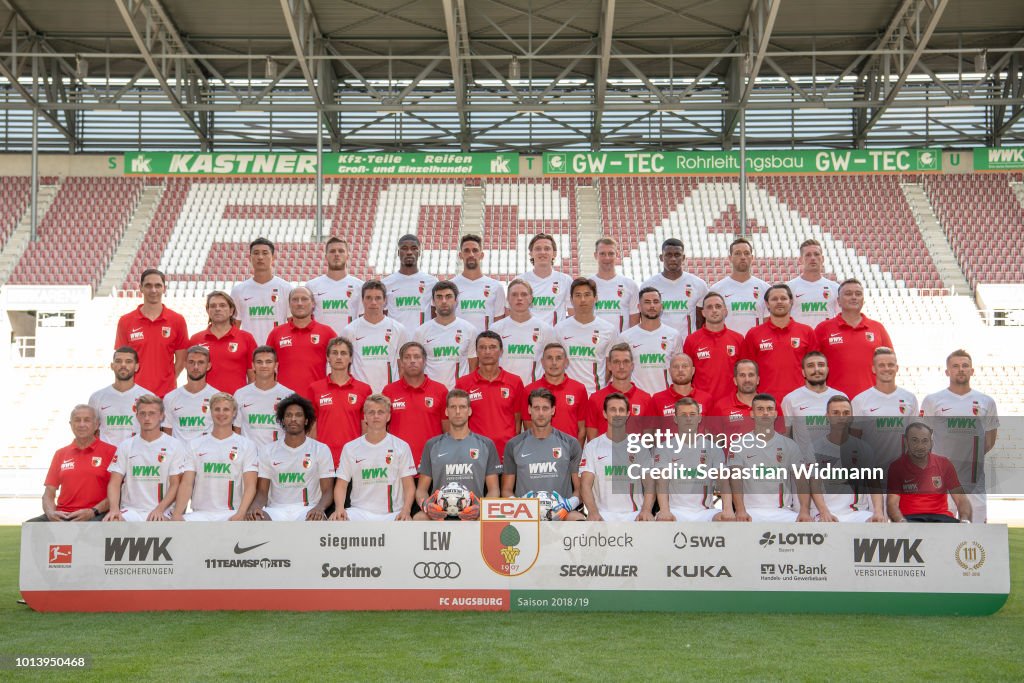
[[59, 557], [247, 562]]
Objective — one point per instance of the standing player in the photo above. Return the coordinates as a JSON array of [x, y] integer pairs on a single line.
[[586, 337], [606, 488], [570, 395], [849, 340], [966, 426], [257, 402], [714, 350], [804, 408], [80, 472], [417, 408], [186, 408], [681, 372], [814, 295], [219, 472], [380, 467], [920, 481], [542, 458], [457, 456], [779, 344], [230, 346], [158, 335], [337, 294], [296, 474], [301, 344], [652, 341], [775, 494], [449, 340], [845, 501], [883, 410], [407, 288], [741, 290], [617, 295], [376, 339], [338, 400], [620, 364], [262, 299], [681, 292], [523, 335], [496, 395], [115, 405], [149, 465], [550, 287], [481, 298], [689, 498]]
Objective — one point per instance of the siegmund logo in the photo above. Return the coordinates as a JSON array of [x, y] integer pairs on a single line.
[[136, 555], [247, 562]]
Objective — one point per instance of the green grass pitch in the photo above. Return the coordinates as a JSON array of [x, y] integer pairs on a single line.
[[357, 646]]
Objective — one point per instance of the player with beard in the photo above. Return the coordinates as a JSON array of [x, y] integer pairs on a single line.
[[186, 408], [450, 341], [115, 404], [804, 408], [230, 346], [338, 295], [653, 342], [741, 290], [681, 292], [681, 372], [257, 402], [481, 298]]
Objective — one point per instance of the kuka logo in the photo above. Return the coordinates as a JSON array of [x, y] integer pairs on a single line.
[[510, 534]]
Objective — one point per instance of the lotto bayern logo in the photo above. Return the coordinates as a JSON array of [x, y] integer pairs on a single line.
[[510, 534]]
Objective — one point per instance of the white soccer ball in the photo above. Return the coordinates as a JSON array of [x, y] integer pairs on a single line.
[[454, 498], [546, 500]]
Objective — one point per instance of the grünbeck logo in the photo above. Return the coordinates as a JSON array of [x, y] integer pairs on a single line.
[[697, 571], [682, 541], [790, 539], [437, 570]]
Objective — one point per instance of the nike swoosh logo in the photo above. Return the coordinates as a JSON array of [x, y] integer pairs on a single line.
[[798, 295], [246, 405], [361, 460], [727, 296], [104, 407], [602, 457], [430, 341], [246, 298], [803, 407], [239, 550], [944, 410], [360, 338], [569, 337], [275, 464], [441, 455], [871, 410], [526, 455]]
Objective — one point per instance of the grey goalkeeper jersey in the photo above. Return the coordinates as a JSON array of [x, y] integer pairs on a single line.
[[464, 461], [543, 464]]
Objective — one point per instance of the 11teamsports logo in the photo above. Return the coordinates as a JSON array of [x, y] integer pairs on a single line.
[[510, 534]]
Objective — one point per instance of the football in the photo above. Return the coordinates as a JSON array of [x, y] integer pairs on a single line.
[[547, 500], [454, 498]]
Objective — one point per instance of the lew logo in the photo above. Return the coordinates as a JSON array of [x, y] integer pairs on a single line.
[[510, 534]]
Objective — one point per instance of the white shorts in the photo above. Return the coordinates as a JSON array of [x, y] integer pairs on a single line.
[[849, 515], [771, 515], [610, 516], [210, 515], [288, 513], [361, 515], [692, 515], [136, 515]]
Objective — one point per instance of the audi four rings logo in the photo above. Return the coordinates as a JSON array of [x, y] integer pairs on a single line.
[[437, 570]]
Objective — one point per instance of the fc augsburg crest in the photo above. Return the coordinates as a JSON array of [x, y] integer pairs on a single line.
[[510, 534]]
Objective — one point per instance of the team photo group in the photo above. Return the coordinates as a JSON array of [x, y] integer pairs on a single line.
[[411, 397]]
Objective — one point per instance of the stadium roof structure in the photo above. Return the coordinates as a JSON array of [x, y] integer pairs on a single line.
[[515, 75]]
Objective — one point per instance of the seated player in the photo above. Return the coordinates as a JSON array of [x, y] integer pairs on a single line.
[[542, 458], [920, 480], [79, 472], [771, 493], [220, 470], [845, 501], [684, 495], [607, 488], [296, 474], [380, 467], [457, 456], [149, 466]]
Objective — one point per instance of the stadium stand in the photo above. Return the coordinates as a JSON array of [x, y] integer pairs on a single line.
[[14, 199]]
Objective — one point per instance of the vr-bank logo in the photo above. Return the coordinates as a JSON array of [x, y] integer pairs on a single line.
[[682, 541], [137, 555]]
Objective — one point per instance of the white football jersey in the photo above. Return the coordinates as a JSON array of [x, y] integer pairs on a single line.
[[652, 350], [778, 456], [295, 473], [744, 301], [804, 411], [376, 472], [587, 345], [261, 307], [409, 298], [551, 299], [449, 348], [960, 429], [617, 299], [219, 465], [187, 415], [116, 411], [480, 301], [679, 300], [523, 346], [614, 490], [846, 496], [257, 412], [338, 302], [881, 419], [815, 301], [376, 346], [687, 490], [147, 467]]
